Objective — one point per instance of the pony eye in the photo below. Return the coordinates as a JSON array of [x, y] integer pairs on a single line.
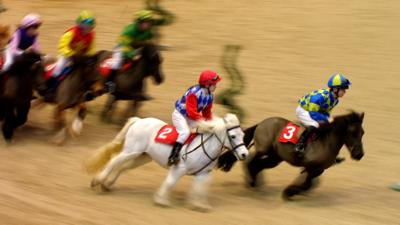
[[233, 136]]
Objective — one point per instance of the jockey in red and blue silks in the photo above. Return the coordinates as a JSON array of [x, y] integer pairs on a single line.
[[24, 38], [194, 105], [315, 107]]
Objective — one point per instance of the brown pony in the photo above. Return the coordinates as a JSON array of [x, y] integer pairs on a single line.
[[84, 78], [320, 154]]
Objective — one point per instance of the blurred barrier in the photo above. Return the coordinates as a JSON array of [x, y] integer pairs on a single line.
[[226, 97], [164, 15], [2, 8]]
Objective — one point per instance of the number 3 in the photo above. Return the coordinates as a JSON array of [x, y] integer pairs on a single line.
[[164, 133], [289, 132]]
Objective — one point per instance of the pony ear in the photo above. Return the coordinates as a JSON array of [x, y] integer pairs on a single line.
[[362, 116]]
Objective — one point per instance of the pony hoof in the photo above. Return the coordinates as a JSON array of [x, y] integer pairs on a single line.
[[60, 137], [93, 183], [200, 206], [104, 188], [161, 201], [105, 119], [9, 141], [76, 128], [58, 141], [291, 191], [73, 133]]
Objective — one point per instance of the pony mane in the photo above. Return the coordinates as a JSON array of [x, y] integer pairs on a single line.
[[351, 117], [23, 62], [218, 124], [341, 121]]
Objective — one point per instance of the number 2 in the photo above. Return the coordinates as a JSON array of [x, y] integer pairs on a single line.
[[289, 132], [164, 133]]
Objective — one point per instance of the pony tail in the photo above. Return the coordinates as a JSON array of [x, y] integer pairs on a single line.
[[103, 154], [249, 135]]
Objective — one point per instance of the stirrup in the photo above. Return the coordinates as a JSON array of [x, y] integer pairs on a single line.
[[110, 86], [299, 148], [299, 151], [172, 160]]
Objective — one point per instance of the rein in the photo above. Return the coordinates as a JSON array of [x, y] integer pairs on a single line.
[[202, 143]]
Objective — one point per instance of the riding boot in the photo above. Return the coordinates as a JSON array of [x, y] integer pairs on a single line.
[[302, 142], [51, 84], [110, 84], [174, 156]]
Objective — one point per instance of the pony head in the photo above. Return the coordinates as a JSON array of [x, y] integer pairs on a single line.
[[353, 133], [228, 130]]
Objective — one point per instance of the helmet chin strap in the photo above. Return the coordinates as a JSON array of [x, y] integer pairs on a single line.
[[336, 91]]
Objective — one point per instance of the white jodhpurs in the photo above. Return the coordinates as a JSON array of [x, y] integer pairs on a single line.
[[305, 118], [117, 58], [183, 126], [8, 59], [60, 65]]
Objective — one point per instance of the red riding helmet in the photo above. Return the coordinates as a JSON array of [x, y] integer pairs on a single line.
[[208, 77]]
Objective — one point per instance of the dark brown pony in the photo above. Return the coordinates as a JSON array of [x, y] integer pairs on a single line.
[[130, 83], [16, 91], [71, 93], [321, 154]]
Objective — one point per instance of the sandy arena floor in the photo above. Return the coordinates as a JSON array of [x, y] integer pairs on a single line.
[[289, 48]]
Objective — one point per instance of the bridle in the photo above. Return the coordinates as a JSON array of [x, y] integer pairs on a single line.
[[202, 143]]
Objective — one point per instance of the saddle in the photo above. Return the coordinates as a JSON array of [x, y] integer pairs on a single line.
[[105, 66], [168, 135], [50, 68]]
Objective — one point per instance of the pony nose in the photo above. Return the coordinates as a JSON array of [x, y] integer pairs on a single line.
[[243, 155], [359, 156]]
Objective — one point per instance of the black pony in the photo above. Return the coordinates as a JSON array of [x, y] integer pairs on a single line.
[[16, 91], [130, 83]]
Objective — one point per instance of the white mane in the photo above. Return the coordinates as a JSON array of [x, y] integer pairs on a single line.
[[217, 124]]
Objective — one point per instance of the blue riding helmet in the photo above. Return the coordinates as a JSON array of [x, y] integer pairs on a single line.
[[338, 81]]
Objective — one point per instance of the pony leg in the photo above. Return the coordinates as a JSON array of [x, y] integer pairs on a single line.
[[162, 195], [133, 108], [77, 124], [59, 117], [108, 109], [198, 195], [302, 183], [129, 164], [259, 162], [9, 122], [113, 164], [22, 114]]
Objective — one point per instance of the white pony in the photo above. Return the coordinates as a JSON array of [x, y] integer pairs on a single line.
[[136, 139]]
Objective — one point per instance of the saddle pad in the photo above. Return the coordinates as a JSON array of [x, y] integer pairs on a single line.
[[168, 135], [105, 67], [1, 62], [49, 70], [289, 133]]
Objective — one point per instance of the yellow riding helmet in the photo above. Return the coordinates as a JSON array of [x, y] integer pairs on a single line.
[[144, 15], [86, 17]]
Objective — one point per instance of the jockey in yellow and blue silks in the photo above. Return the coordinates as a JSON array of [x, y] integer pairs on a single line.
[[315, 107]]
